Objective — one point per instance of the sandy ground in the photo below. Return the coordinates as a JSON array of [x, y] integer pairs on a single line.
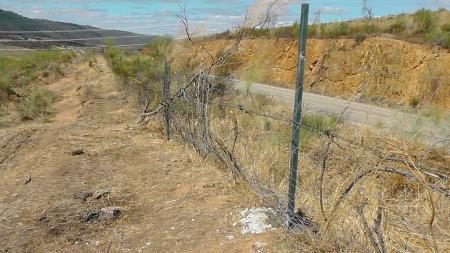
[[169, 198]]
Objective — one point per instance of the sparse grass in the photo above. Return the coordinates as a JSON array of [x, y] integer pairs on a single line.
[[21, 71], [142, 72], [19, 80], [36, 104], [436, 114], [445, 28], [421, 26]]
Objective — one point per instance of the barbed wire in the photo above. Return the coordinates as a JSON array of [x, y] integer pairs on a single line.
[[280, 198]]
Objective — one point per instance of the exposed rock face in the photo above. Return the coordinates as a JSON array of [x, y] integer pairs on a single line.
[[395, 71]]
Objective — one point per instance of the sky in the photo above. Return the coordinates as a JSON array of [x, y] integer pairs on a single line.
[[159, 17]]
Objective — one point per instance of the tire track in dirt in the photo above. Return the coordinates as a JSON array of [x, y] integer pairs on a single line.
[[170, 200], [12, 144]]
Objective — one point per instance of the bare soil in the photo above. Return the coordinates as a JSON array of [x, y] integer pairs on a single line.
[[395, 71], [170, 200]]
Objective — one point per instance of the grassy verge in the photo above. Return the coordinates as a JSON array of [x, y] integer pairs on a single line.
[[20, 76]]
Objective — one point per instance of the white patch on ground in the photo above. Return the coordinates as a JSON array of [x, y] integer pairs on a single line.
[[256, 220]]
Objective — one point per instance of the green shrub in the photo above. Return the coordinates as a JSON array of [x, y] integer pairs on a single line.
[[425, 21], [313, 30], [323, 30], [337, 30], [445, 40], [36, 104], [441, 39], [296, 30], [398, 27], [159, 48], [282, 32], [445, 28], [5, 86], [369, 28], [414, 101], [319, 122]]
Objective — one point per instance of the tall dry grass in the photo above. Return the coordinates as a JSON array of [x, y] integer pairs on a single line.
[[363, 189], [363, 172]]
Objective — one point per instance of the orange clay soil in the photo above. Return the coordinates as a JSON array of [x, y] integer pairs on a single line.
[[395, 71]]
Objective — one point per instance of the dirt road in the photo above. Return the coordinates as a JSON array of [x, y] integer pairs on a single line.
[[405, 124], [167, 198]]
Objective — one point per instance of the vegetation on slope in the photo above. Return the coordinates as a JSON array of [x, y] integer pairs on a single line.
[[424, 26], [20, 76]]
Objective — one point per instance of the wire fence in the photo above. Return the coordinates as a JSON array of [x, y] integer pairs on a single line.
[[249, 135], [355, 185]]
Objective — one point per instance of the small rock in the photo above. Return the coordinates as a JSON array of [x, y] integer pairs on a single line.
[[91, 215], [104, 214], [43, 219], [82, 195], [77, 151], [28, 179], [100, 193], [109, 213]]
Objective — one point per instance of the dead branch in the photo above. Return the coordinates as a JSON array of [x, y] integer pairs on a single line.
[[367, 229]]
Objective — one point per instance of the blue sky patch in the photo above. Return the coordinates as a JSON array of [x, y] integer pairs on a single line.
[[206, 16]]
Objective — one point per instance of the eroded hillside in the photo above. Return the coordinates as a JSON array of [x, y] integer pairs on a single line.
[[394, 72]]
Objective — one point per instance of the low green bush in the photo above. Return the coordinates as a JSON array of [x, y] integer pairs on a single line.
[[319, 122], [425, 21], [398, 27], [36, 104], [444, 40], [337, 30], [445, 28], [414, 101]]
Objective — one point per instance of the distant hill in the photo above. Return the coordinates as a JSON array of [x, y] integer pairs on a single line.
[[11, 22]]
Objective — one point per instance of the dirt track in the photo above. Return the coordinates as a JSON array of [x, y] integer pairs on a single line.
[[407, 124], [171, 200]]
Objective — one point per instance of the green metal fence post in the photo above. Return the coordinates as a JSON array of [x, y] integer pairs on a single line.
[[295, 145]]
